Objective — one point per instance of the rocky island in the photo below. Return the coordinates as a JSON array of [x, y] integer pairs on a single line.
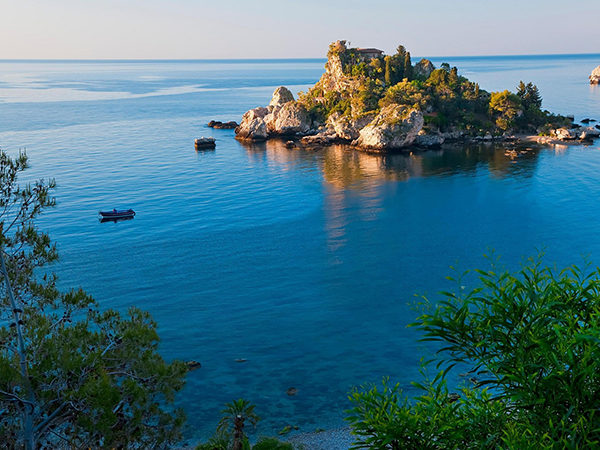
[[595, 76], [380, 102]]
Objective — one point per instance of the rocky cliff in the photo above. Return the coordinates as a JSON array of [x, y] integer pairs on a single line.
[[282, 117], [286, 117], [383, 102]]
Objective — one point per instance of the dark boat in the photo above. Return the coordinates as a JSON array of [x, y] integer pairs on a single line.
[[117, 214]]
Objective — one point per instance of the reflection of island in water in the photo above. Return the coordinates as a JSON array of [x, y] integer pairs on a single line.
[[352, 179], [346, 168]]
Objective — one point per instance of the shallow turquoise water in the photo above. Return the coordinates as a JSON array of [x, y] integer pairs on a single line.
[[305, 263]]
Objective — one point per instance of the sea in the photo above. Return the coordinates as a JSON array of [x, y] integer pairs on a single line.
[[278, 268]]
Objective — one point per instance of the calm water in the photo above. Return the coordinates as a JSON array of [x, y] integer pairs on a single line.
[[305, 263]]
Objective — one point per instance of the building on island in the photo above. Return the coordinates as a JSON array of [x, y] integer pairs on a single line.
[[369, 53]]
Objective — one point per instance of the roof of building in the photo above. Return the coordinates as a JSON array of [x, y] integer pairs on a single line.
[[369, 50]]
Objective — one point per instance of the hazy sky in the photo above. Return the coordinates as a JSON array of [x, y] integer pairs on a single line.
[[291, 29]]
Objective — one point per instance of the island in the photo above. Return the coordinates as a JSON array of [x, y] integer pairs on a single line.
[[595, 76], [379, 102]]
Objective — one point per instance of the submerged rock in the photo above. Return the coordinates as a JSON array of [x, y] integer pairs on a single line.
[[191, 365], [291, 391], [396, 126], [595, 76]]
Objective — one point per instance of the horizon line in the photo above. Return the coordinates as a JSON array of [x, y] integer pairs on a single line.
[[505, 55]]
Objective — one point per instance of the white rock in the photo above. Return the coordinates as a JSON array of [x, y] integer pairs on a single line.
[[395, 126], [346, 128], [588, 132], [281, 96], [595, 76], [292, 118], [565, 134], [253, 125]]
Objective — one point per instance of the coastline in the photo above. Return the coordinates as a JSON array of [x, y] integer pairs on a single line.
[[330, 439], [518, 140]]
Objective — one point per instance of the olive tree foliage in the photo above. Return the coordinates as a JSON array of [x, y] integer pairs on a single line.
[[529, 342], [71, 374]]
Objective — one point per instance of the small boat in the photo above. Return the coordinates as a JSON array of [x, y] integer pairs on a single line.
[[205, 143], [117, 214]]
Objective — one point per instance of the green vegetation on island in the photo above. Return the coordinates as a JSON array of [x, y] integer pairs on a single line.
[[383, 102], [357, 84]]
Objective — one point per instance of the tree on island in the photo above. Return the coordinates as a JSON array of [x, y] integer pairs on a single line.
[[451, 101], [505, 107], [71, 374], [529, 95]]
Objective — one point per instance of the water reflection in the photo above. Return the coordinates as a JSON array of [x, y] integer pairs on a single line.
[[345, 168]]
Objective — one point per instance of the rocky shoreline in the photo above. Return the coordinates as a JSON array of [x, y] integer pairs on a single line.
[[394, 128], [382, 103]]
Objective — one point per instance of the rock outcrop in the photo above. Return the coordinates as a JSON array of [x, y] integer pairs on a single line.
[[429, 140], [283, 117], [564, 134], [588, 133], [291, 118], [281, 96], [423, 68], [394, 127], [345, 128], [253, 126], [217, 124], [578, 133], [595, 76], [348, 105]]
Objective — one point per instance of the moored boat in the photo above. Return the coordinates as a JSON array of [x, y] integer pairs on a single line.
[[117, 214]]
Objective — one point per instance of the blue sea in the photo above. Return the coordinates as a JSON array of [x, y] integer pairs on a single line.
[[304, 263]]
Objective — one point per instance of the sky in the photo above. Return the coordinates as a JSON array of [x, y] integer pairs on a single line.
[[198, 29]]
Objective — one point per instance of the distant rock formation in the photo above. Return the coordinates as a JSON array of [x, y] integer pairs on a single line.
[[595, 76]]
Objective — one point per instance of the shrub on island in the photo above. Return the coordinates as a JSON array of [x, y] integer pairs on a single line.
[[360, 83]]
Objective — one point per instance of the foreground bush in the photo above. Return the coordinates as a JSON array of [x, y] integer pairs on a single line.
[[530, 342], [71, 375]]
